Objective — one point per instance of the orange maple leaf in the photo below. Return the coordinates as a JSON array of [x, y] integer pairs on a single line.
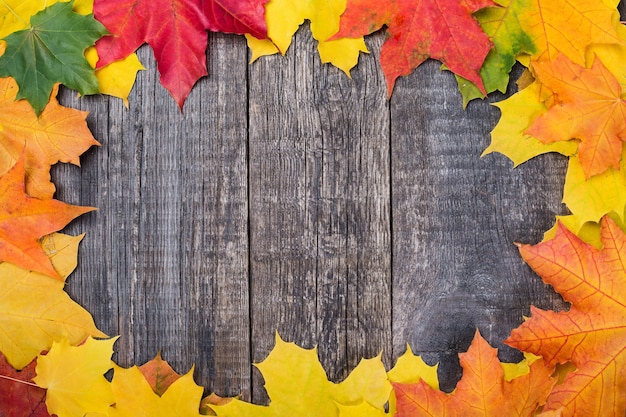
[[592, 334], [588, 106], [159, 374], [59, 134], [25, 219], [482, 391]]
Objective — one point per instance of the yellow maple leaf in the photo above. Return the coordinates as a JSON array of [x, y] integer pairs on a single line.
[[285, 16], [34, 309], [361, 410], [298, 386], [74, 377], [116, 79], [570, 26], [133, 393], [590, 199]]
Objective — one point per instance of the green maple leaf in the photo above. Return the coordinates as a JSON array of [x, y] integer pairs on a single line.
[[509, 39], [52, 50]]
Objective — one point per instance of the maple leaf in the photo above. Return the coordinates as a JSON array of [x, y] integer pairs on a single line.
[[132, 393], [116, 79], [176, 31], [590, 199], [20, 397], [237, 16], [159, 374], [510, 138], [569, 26], [592, 333], [34, 309], [297, 386], [74, 377], [588, 107], [482, 391], [59, 134], [411, 369], [422, 29], [509, 39], [24, 220], [285, 16], [51, 50]]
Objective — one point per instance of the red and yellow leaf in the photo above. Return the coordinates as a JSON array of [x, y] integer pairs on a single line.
[[592, 334]]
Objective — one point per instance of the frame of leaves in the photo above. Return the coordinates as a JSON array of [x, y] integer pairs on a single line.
[[571, 101]]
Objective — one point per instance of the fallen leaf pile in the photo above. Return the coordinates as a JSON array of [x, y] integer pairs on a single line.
[[571, 100]]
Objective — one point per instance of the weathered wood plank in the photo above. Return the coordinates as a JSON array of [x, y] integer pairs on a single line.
[[455, 219], [165, 260], [319, 198]]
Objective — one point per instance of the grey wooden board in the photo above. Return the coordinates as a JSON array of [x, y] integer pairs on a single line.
[[287, 197]]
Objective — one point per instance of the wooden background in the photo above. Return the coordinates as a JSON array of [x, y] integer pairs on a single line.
[[289, 197]]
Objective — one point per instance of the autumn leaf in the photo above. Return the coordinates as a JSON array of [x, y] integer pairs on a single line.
[[20, 397], [482, 391], [237, 16], [133, 393], [285, 16], [159, 374], [51, 50], [297, 386], [207, 403], [589, 107], [74, 377], [35, 311], [592, 333], [362, 409], [502, 25], [176, 31], [59, 134], [510, 138], [422, 29], [116, 79], [568, 27], [590, 199], [411, 369], [24, 220]]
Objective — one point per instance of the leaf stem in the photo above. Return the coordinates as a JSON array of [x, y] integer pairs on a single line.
[[20, 381]]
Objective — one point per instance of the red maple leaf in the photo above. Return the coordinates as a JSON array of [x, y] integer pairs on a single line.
[[20, 397], [176, 31], [422, 29]]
